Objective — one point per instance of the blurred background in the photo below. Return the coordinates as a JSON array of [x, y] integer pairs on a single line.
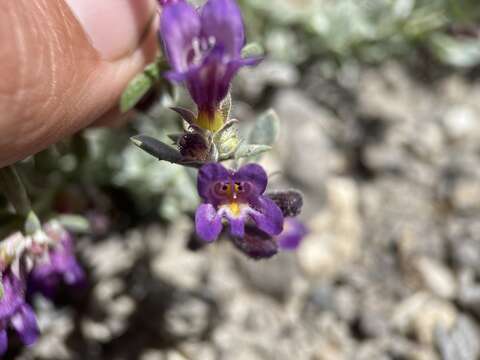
[[379, 104]]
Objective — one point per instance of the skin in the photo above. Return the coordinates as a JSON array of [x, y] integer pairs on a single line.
[[54, 81]]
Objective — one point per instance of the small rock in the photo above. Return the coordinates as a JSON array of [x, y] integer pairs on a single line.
[[333, 339], [460, 343], [422, 314], [188, 316], [460, 122], [152, 355], [346, 303], [436, 277], [114, 255], [368, 350], [307, 153], [469, 294], [96, 331], [466, 194], [335, 234], [273, 277]]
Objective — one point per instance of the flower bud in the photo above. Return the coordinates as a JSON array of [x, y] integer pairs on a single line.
[[194, 146], [289, 201]]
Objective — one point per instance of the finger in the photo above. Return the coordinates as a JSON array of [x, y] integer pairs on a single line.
[[64, 63]]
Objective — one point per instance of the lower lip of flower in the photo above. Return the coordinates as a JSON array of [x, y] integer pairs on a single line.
[[234, 208]]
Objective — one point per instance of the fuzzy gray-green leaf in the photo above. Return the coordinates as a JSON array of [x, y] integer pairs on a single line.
[[226, 106], [253, 50], [249, 150], [266, 129], [76, 223], [32, 224], [157, 148]]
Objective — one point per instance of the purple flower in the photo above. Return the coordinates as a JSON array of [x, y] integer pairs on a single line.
[[204, 50], [15, 312], [59, 265], [237, 197], [292, 234]]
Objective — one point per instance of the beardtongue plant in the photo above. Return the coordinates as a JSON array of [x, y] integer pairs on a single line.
[[203, 49]]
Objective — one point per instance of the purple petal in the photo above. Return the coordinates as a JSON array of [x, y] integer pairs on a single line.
[[64, 262], [256, 244], [292, 234], [222, 20], [43, 280], [175, 76], [209, 82], [208, 175], [208, 223], [60, 265], [268, 216], [75, 276], [179, 25], [3, 341], [237, 225], [254, 175], [13, 295], [25, 323], [168, 2]]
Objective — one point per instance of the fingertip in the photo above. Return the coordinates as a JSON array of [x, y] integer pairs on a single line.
[[113, 27]]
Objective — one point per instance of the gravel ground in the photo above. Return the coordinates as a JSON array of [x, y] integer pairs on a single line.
[[390, 269]]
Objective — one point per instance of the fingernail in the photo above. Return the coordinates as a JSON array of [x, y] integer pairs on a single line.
[[114, 27]]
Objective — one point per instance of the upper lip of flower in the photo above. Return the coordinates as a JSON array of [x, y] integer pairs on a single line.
[[190, 36], [237, 196]]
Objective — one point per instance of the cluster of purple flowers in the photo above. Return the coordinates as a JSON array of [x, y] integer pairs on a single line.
[[204, 49], [30, 264]]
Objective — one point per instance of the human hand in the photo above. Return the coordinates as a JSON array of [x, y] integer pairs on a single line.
[[64, 64]]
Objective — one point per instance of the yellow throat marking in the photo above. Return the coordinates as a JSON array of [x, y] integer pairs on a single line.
[[234, 208], [209, 122]]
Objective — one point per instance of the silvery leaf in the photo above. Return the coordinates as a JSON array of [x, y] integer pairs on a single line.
[[266, 129], [75, 223], [249, 150], [226, 106], [157, 148], [253, 50]]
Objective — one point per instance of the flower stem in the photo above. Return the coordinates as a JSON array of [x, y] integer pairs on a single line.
[[14, 190]]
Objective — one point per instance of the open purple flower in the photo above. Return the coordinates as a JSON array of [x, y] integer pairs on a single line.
[[59, 265], [15, 312], [236, 196], [204, 50]]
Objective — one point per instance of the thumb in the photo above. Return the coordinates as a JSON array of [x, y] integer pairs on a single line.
[[64, 64]]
